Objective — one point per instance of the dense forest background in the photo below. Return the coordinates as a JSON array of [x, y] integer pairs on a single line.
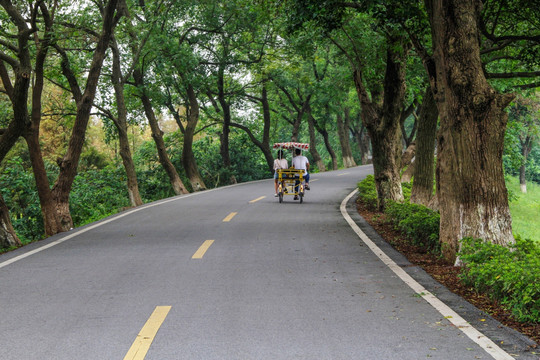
[[112, 104]]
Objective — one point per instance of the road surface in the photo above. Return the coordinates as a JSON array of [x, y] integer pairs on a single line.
[[232, 274]]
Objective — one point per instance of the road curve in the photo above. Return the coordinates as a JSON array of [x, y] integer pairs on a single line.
[[228, 274]]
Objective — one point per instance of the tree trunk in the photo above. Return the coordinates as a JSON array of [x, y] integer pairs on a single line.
[[8, 237], [422, 189], [386, 161], [121, 126], [343, 133], [408, 174], [224, 136], [157, 135], [19, 98], [473, 199], [267, 125], [526, 147], [313, 145], [263, 145], [131, 175], [367, 158], [188, 158], [326, 138], [51, 222], [522, 179], [408, 163], [21, 69], [362, 137], [68, 165], [383, 123], [408, 139]]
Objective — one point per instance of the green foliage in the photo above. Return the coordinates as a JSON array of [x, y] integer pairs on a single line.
[[97, 194], [248, 163], [522, 134], [525, 209], [417, 222], [407, 189], [91, 158], [152, 179], [325, 14], [367, 191], [510, 275], [19, 192]]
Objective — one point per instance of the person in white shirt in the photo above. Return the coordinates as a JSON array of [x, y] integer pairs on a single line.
[[301, 162], [279, 163]]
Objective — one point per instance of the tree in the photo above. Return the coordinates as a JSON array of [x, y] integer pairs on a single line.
[[240, 41], [296, 102], [473, 199], [144, 64], [524, 128], [8, 237], [361, 137], [327, 91], [471, 44], [381, 107], [55, 202], [343, 133], [422, 189], [308, 92], [188, 157], [17, 56], [264, 144], [111, 13], [296, 84], [120, 120]]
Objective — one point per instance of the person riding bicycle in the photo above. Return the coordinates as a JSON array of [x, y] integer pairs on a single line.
[[301, 162], [279, 163]]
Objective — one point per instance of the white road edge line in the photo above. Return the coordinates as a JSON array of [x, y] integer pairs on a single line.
[[483, 341]]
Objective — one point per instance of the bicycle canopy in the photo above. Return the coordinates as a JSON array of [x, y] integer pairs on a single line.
[[291, 145]]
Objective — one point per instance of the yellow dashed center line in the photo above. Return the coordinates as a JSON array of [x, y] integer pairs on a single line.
[[202, 250], [257, 199], [143, 341], [229, 217], [343, 174]]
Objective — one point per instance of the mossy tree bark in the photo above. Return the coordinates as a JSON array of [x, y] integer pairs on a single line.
[[382, 120], [473, 199], [424, 170]]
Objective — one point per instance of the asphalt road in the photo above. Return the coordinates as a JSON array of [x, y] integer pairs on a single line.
[[277, 281]]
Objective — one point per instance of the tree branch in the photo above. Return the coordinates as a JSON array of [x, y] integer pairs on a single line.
[[6, 81], [511, 75]]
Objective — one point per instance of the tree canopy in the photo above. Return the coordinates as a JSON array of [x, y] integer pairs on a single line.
[[160, 97]]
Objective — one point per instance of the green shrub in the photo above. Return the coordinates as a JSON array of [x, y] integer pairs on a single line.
[[97, 194], [417, 222], [19, 191], [406, 187], [510, 275], [368, 192]]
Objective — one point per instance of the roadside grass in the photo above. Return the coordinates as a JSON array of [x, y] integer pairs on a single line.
[[525, 209]]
